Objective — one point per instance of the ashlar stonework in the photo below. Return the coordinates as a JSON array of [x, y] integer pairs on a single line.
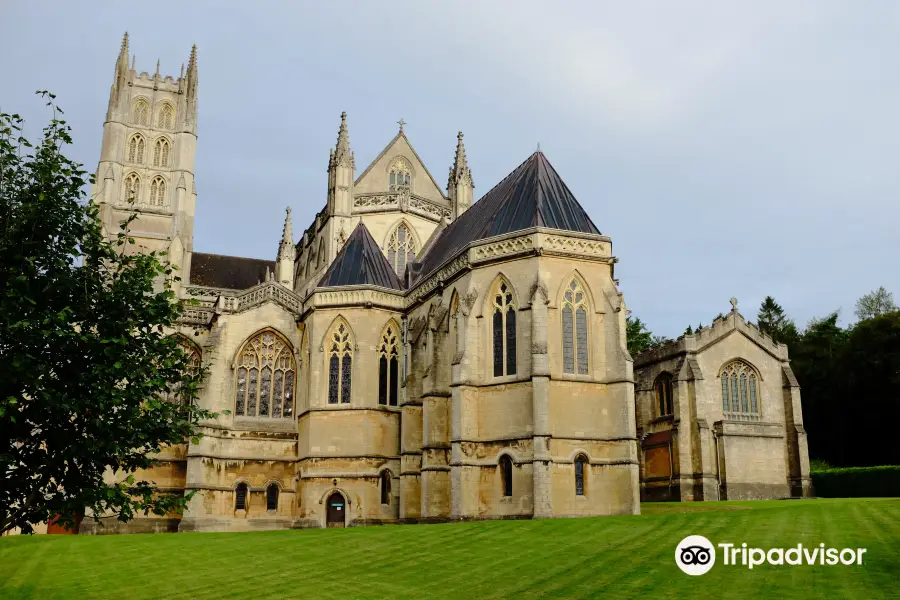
[[417, 356]]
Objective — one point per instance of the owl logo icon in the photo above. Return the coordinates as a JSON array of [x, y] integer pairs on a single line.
[[695, 555]]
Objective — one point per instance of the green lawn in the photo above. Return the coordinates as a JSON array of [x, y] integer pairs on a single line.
[[617, 557]]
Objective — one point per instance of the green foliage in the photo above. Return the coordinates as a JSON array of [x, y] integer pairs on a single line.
[[857, 482], [637, 336], [772, 320], [817, 464], [688, 330], [874, 304], [91, 382]]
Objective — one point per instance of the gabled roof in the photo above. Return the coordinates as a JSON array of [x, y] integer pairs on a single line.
[[533, 195], [229, 272], [415, 154], [360, 262]]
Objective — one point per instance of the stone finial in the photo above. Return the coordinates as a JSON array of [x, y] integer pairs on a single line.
[[342, 154], [157, 69], [734, 303], [286, 247], [123, 51], [401, 123], [459, 171], [181, 184]]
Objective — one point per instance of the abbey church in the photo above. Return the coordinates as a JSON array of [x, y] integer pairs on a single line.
[[415, 355]]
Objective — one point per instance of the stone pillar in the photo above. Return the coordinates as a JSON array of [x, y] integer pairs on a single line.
[[540, 384], [796, 450], [464, 371]]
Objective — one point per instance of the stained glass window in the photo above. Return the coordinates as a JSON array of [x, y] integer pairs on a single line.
[[340, 364], [575, 335], [579, 475], [265, 377], [740, 391], [382, 380], [401, 248], [503, 331]]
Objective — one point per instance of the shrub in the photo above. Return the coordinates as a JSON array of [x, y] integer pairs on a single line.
[[857, 482]]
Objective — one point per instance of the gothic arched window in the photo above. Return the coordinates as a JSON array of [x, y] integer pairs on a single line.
[[385, 487], [165, 117], [136, 149], [340, 364], [272, 497], [574, 329], [506, 475], [503, 330], [140, 112], [240, 496], [663, 392], [399, 174], [265, 377], [740, 391], [581, 463], [158, 192], [388, 365], [133, 188], [161, 153], [401, 248]]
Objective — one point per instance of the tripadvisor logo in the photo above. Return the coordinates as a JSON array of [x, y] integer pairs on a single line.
[[696, 555]]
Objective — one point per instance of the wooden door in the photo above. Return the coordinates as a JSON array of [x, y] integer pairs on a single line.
[[336, 510]]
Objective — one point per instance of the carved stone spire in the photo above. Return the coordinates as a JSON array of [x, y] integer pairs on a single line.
[[286, 247], [189, 87], [284, 264], [459, 171], [118, 86], [343, 156], [460, 187]]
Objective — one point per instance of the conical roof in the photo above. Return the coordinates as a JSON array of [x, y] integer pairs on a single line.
[[360, 262], [533, 195]]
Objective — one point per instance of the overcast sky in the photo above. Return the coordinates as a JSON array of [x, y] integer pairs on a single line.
[[728, 149]]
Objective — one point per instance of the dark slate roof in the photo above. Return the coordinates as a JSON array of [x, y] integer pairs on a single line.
[[360, 262], [230, 272], [533, 195]]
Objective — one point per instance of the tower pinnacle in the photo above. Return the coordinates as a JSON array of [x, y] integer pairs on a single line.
[[286, 247], [460, 187], [343, 156]]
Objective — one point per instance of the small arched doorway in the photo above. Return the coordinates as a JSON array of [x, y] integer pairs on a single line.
[[336, 510]]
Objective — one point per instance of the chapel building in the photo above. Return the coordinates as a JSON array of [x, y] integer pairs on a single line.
[[417, 356]]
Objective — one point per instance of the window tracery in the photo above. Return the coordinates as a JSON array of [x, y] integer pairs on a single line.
[[265, 377], [141, 112], [133, 188], [401, 249], [574, 329], [663, 390], [399, 175], [388, 366], [158, 192], [136, 149], [161, 153], [165, 117], [340, 364], [504, 330], [740, 391]]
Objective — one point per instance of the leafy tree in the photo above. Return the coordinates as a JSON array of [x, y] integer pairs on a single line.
[[876, 303], [91, 382], [772, 320], [688, 330], [871, 373], [817, 361], [637, 336], [658, 340]]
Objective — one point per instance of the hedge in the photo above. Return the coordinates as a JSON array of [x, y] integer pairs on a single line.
[[857, 482]]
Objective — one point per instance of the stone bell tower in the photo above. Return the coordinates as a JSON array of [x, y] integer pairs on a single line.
[[146, 163]]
